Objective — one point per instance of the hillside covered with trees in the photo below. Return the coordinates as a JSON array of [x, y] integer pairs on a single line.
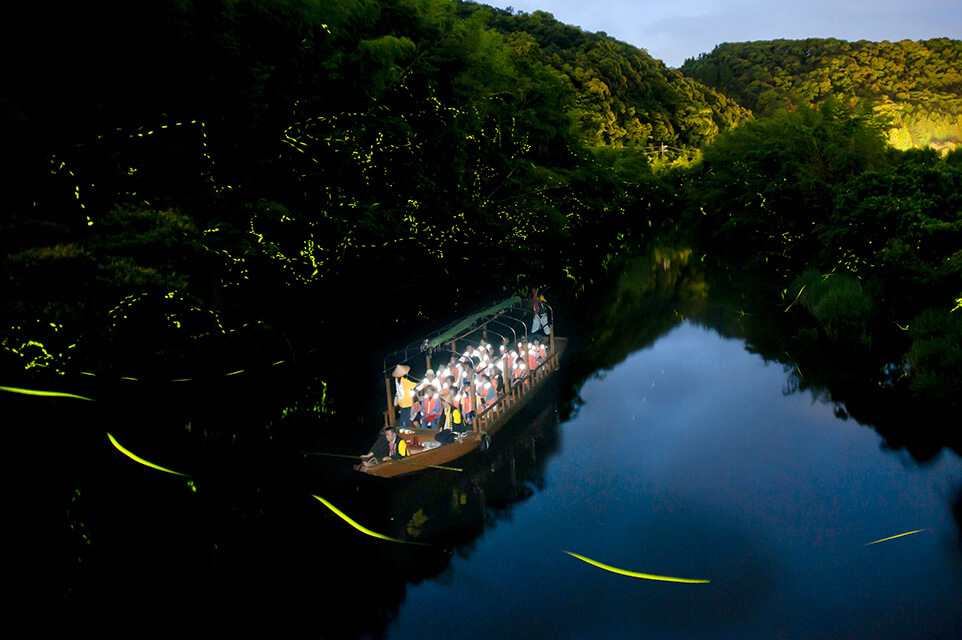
[[208, 162], [915, 86], [281, 174]]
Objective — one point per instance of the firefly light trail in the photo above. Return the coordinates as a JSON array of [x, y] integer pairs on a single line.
[[635, 574], [137, 458], [45, 394], [907, 533], [343, 516]]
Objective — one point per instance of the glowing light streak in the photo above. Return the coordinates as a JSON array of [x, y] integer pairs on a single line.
[[343, 516], [635, 574], [901, 535], [45, 394], [796, 298], [137, 458]]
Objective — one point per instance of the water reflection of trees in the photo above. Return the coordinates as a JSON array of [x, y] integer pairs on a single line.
[[652, 292], [643, 299]]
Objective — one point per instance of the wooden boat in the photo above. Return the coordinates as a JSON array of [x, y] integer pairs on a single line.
[[504, 324]]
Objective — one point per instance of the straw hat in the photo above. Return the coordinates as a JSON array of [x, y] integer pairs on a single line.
[[400, 370]]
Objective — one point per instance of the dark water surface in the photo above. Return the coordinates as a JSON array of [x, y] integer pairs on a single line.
[[688, 460], [678, 452]]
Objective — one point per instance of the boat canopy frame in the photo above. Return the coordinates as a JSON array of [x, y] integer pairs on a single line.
[[509, 313]]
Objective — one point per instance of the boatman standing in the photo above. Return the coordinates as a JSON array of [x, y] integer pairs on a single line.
[[403, 393]]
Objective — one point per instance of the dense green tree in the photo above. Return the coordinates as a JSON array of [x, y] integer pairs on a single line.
[[915, 86]]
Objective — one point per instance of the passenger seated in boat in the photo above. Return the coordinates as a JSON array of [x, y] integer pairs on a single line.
[[446, 433], [542, 351], [487, 391], [389, 446], [465, 402], [518, 372], [494, 375], [455, 371], [532, 358], [430, 407], [449, 384], [430, 379], [415, 420], [467, 373], [480, 359]]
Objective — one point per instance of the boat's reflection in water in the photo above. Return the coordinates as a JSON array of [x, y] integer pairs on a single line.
[[451, 508], [447, 511]]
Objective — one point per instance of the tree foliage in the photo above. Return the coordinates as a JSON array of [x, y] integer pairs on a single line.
[[622, 96], [915, 86]]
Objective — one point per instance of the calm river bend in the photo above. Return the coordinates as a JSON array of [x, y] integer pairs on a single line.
[[688, 460]]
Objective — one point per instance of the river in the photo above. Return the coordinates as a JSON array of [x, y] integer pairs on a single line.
[[688, 460], [669, 447]]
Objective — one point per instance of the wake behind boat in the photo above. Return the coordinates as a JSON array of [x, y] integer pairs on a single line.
[[448, 394]]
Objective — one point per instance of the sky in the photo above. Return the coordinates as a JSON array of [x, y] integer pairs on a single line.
[[673, 30]]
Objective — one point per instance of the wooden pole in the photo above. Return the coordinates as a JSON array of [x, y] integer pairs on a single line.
[[390, 402]]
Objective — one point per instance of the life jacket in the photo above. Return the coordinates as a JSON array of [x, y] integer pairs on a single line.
[[532, 359], [489, 394], [467, 402], [399, 449], [431, 407]]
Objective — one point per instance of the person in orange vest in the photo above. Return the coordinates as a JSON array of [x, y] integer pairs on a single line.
[[455, 370], [465, 402], [487, 391], [481, 361], [430, 407], [532, 358], [492, 374], [518, 372], [542, 351]]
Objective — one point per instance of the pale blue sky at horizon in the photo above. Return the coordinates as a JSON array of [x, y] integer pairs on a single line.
[[674, 30]]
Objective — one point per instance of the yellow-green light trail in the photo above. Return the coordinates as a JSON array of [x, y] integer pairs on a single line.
[[374, 534], [635, 574], [45, 394], [907, 533], [137, 458]]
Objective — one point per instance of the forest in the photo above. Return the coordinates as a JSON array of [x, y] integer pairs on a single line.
[[913, 87], [202, 186]]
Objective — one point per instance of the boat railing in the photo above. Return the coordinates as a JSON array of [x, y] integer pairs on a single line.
[[515, 390]]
